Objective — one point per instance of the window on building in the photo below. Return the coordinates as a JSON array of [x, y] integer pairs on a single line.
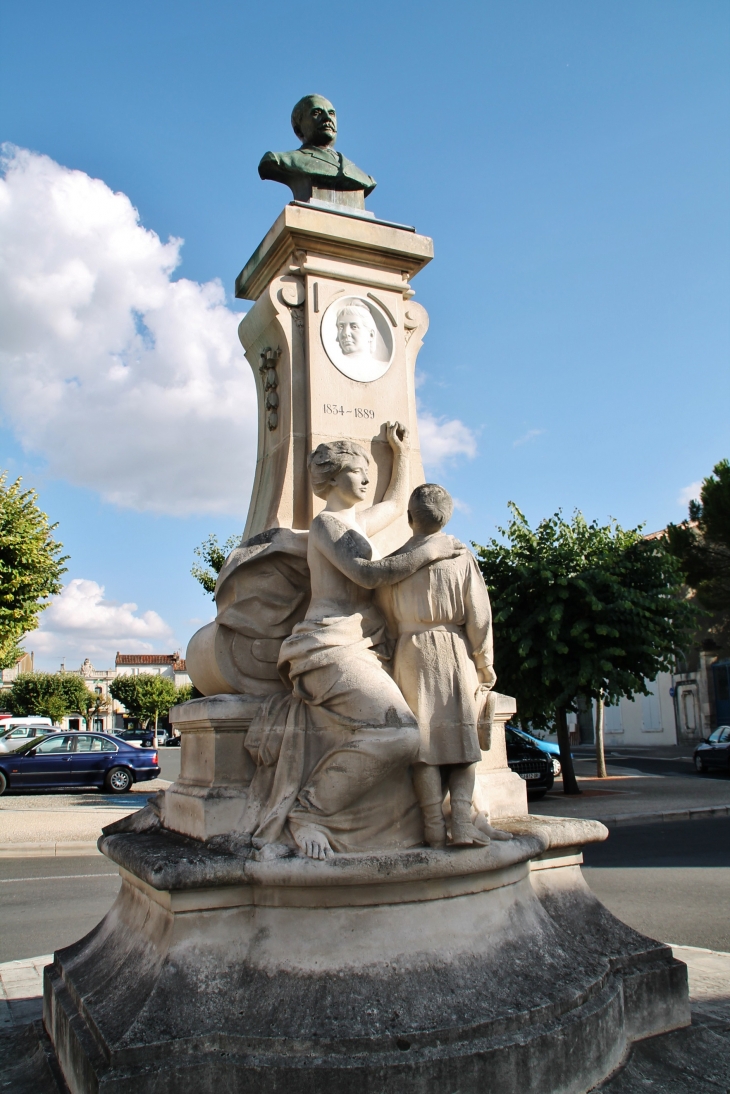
[[612, 720], [651, 717]]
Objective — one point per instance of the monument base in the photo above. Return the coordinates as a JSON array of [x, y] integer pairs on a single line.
[[420, 971]]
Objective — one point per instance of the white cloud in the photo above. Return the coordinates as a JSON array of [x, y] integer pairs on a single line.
[[444, 439], [127, 382], [689, 493], [526, 437], [80, 623]]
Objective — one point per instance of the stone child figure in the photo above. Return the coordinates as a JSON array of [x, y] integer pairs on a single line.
[[443, 666], [315, 170]]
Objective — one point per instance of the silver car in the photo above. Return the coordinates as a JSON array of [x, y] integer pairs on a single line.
[[17, 735]]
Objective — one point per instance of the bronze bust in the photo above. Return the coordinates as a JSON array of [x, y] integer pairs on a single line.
[[315, 170]]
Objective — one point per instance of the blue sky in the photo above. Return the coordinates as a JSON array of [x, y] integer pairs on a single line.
[[570, 161]]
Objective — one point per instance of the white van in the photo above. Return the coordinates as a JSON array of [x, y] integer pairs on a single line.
[[9, 721]]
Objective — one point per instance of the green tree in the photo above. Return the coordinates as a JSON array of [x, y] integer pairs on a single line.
[[147, 696], [156, 695], [702, 543], [50, 694], [125, 690], [580, 610], [96, 703], [76, 692], [186, 692], [213, 555], [30, 566]]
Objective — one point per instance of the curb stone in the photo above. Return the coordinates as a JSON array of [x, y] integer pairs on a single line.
[[668, 816], [57, 849]]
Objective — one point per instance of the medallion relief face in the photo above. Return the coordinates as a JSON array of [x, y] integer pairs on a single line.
[[358, 338]]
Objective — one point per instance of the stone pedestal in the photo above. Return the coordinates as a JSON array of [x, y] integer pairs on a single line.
[[499, 792], [420, 972], [311, 260], [209, 797]]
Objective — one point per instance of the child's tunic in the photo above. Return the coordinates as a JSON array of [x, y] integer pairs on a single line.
[[444, 624]]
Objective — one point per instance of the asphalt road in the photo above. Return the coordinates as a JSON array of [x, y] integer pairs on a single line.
[[169, 763], [46, 903], [648, 765], [669, 881]]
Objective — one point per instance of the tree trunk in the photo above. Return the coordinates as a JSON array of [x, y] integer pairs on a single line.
[[155, 742], [570, 784], [600, 755]]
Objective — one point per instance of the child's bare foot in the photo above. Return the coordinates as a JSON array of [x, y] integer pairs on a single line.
[[313, 843], [481, 822]]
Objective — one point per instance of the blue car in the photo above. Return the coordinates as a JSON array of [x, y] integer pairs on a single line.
[[78, 759]]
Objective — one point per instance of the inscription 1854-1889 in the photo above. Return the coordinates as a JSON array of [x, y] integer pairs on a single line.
[[358, 411]]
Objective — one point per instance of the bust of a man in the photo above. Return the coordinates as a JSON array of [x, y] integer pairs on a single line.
[[315, 170]]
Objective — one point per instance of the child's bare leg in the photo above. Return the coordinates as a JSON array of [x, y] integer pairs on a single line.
[[461, 788], [427, 784]]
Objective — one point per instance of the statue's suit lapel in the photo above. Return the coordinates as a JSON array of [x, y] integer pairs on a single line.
[[317, 155]]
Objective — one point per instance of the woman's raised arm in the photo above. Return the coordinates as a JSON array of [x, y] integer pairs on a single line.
[[395, 499]]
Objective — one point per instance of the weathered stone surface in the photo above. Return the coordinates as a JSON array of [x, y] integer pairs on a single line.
[[523, 986]]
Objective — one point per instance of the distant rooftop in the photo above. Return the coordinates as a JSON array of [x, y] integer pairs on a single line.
[[151, 659]]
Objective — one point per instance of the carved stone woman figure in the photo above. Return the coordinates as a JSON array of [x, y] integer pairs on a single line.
[[344, 744]]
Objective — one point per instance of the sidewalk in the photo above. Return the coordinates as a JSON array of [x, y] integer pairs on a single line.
[[629, 796], [695, 1060], [64, 823]]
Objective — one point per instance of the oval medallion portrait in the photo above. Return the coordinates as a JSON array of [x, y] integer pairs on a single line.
[[358, 338]]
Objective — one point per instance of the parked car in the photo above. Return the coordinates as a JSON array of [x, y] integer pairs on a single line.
[[143, 737], [14, 735], [9, 721], [714, 752], [544, 746], [78, 759], [530, 763]]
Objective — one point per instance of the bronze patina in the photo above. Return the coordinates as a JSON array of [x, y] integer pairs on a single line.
[[316, 171]]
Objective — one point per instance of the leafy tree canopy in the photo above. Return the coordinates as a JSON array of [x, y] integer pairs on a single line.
[[213, 555], [186, 692], [147, 696], [580, 609], [702, 543], [30, 566], [50, 694]]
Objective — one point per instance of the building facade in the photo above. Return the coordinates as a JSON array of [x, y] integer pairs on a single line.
[[111, 714]]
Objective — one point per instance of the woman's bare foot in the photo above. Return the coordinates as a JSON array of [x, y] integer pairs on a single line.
[[313, 843], [481, 822]]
